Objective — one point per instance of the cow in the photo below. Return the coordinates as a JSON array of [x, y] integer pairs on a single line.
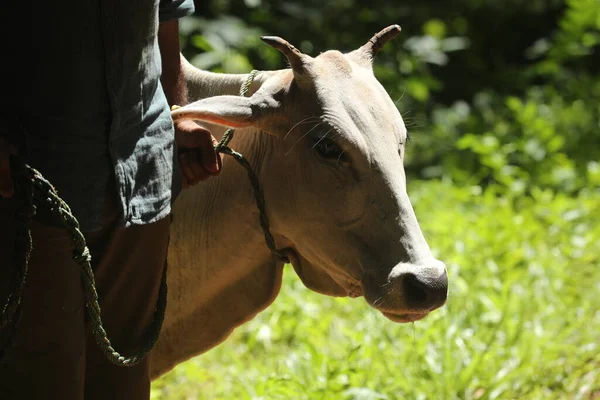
[[327, 144]]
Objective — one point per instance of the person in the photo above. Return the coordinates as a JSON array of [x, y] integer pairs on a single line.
[[86, 101]]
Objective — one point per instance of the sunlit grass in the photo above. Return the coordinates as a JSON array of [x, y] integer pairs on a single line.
[[522, 320]]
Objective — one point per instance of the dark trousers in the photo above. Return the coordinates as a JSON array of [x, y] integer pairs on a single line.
[[55, 355]]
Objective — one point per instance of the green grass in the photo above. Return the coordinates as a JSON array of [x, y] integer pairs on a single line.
[[522, 319]]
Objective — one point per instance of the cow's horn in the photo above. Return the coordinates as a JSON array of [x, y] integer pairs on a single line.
[[294, 56], [369, 50]]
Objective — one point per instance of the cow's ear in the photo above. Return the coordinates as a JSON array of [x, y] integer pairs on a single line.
[[231, 111], [261, 110]]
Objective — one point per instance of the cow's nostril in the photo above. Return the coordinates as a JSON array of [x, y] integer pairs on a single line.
[[420, 288], [414, 291], [424, 293]]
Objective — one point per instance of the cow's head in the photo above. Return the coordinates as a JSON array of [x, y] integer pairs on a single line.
[[334, 181]]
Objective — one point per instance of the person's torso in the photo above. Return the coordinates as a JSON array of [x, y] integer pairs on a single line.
[[87, 90]]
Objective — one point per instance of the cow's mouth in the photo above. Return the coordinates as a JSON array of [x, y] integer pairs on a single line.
[[404, 318]]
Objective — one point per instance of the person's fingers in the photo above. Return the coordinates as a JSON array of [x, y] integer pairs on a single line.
[[190, 135], [184, 164], [208, 155], [197, 156], [200, 174], [218, 155], [191, 168]]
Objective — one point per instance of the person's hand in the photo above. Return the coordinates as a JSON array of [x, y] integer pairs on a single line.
[[6, 183], [197, 157]]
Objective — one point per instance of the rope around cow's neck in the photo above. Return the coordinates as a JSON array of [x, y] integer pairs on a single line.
[[222, 147], [36, 191]]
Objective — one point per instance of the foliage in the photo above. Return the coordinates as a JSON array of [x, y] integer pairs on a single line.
[[493, 91], [549, 136], [521, 321]]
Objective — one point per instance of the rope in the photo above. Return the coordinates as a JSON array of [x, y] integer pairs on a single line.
[[223, 148], [36, 187], [260, 201], [228, 135]]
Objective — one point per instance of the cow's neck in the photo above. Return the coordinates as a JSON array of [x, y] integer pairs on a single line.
[[203, 84], [220, 270]]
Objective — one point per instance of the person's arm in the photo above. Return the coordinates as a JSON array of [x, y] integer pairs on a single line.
[[195, 144]]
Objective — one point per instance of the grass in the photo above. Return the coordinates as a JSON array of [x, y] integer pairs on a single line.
[[522, 320]]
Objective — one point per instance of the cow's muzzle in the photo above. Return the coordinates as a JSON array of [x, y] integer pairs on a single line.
[[410, 291]]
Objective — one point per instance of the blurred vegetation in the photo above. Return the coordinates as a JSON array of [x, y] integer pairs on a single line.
[[493, 91], [502, 101]]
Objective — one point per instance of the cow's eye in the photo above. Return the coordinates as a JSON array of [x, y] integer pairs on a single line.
[[329, 150]]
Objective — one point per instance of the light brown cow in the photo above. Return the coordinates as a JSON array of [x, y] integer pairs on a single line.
[[328, 145]]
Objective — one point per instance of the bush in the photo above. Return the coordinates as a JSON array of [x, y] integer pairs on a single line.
[[548, 137]]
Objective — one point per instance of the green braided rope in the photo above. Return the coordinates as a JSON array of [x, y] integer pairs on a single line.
[[44, 190], [228, 135], [223, 148], [260, 200]]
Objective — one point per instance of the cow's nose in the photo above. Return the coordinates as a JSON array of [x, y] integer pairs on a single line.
[[424, 288]]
